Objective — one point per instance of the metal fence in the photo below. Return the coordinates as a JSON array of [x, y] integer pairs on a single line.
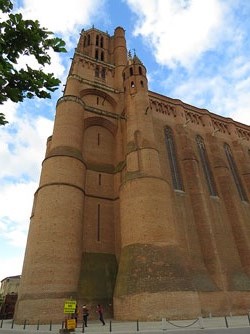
[[163, 325]]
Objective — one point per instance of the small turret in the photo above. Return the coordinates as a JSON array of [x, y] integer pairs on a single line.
[[134, 75]]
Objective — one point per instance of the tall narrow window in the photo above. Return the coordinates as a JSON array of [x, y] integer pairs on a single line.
[[103, 73], [102, 56], [176, 176], [140, 70], [84, 41], [101, 42], [88, 39], [98, 139], [97, 40], [131, 71], [235, 173], [97, 71], [100, 179], [96, 54], [205, 166], [98, 221]]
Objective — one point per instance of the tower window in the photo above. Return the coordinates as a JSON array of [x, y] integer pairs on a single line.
[[142, 83], [205, 166], [131, 71], [235, 173], [97, 71], [84, 41], [97, 40], [132, 84], [100, 179], [102, 56], [140, 70], [101, 42], [174, 167], [96, 54], [88, 39], [103, 73]]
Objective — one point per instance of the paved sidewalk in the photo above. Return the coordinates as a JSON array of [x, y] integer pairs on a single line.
[[235, 324]]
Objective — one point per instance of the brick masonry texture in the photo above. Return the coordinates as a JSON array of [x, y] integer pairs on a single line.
[[143, 200]]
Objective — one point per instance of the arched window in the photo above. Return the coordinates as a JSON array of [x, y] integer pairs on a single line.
[[97, 40], [142, 83], [101, 42], [131, 71], [140, 70], [84, 41], [96, 54], [132, 84], [205, 166], [174, 167], [88, 39], [102, 56], [235, 173]]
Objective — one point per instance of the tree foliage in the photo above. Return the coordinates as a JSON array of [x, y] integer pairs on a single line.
[[24, 37]]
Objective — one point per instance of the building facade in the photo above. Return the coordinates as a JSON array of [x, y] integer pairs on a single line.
[[143, 201], [10, 285]]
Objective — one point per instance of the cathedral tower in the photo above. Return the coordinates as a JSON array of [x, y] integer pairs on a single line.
[[143, 200]]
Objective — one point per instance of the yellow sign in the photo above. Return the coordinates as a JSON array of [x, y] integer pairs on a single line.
[[70, 306], [71, 324]]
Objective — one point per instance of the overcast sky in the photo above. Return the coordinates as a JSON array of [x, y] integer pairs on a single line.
[[197, 51]]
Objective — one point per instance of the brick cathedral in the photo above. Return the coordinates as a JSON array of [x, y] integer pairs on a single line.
[[143, 200]]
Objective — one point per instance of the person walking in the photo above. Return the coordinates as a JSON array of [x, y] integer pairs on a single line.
[[100, 312], [85, 314]]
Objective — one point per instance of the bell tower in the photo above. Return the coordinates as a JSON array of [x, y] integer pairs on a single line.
[[74, 230]]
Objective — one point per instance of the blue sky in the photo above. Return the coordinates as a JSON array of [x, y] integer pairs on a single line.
[[197, 51]]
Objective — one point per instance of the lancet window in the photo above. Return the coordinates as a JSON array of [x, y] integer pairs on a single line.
[[174, 167], [235, 173], [96, 54], [101, 42], [206, 166]]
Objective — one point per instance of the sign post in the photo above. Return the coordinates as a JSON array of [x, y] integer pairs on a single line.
[[70, 309]]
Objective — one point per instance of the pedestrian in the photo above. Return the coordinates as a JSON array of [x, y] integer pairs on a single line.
[[85, 314], [76, 314], [100, 311]]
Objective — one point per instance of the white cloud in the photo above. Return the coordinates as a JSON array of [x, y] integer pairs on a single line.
[[23, 145], [179, 31], [11, 265], [62, 16]]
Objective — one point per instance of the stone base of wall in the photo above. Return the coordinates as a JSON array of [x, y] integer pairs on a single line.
[[224, 303], [155, 306], [43, 310]]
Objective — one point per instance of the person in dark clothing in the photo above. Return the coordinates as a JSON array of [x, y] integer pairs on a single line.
[[85, 314], [100, 312]]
